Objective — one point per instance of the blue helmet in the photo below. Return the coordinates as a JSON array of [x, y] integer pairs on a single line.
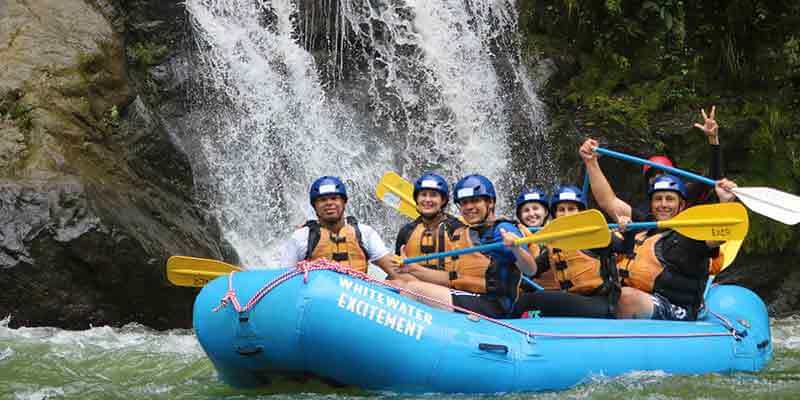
[[432, 181], [532, 195], [568, 193], [474, 186], [327, 185], [667, 182]]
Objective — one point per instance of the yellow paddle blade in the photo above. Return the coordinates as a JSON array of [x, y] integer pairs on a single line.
[[729, 251], [723, 221], [584, 230], [398, 193], [196, 272]]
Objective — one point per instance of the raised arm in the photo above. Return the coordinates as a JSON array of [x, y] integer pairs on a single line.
[[606, 199], [711, 129]]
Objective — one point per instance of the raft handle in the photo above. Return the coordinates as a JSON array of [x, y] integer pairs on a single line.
[[763, 344], [493, 347], [249, 351]]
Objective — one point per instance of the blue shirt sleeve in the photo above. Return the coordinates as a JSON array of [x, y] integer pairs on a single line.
[[504, 254]]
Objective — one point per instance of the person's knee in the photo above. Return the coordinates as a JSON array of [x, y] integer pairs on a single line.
[[634, 303]]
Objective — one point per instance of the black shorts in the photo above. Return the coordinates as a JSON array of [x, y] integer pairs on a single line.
[[551, 303], [480, 304], [663, 309]]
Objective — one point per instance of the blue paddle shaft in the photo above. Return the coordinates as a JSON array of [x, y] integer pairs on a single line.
[[672, 170], [473, 249], [483, 247], [532, 283]]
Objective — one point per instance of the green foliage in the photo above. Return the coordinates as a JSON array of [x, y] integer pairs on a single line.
[[638, 63], [146, 54]]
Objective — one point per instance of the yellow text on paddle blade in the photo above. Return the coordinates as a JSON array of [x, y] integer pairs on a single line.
[[723, 221]]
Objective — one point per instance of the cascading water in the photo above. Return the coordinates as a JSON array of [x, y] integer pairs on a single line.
[[287, 91]]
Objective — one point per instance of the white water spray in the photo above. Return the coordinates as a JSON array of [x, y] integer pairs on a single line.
[[415, 85]]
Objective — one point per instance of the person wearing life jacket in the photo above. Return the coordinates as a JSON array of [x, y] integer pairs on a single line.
[[336, 237], [476, 198], [665, 273], [696, 193], [431, 232], [532, 210], [587, 278]]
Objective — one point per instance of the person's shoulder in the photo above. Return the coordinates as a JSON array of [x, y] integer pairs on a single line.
[[300, 233], [410, 225], [506, 224], [453, 222], [366, 229]]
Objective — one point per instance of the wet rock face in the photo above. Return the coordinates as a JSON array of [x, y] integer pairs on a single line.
[[95, 193]]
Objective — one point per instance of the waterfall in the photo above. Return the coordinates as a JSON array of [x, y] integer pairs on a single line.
[[287, 91]]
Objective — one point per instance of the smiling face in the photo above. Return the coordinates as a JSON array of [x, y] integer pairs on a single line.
[[566, 208], [532, 214], [476, 210], [329, 208], [429, 203], [666, 204]]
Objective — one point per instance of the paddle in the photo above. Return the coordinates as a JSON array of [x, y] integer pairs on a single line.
[[196, 272], [584, 230], [397, 192], [730, 248], [722, 221], [772, 203]]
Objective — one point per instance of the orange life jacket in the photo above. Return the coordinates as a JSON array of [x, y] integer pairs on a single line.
[[576, 271], [479, 273], [641, 271], [716, 263], [546, 279], [346, 247], [645, 271], [467, 271], [420, 240]]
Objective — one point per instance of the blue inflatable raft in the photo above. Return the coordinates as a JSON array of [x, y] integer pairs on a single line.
[[344, 329]]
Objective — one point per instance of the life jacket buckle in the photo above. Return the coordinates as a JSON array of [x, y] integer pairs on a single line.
[[337, 239], [340, 256]]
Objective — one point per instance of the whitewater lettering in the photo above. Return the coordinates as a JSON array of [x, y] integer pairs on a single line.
[[385, 310]]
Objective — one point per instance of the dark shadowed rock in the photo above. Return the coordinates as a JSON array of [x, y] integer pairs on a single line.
[[95, 192]]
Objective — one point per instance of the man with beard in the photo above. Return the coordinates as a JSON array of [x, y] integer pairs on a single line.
[[336, 237]]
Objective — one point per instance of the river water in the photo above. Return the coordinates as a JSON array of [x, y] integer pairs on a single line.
[[135, 362], [404, 85]]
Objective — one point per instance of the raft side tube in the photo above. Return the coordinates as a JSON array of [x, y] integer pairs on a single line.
[[246, 348], [748, 314], [354, 332]]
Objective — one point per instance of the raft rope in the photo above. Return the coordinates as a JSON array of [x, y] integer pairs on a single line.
[[305, 267]]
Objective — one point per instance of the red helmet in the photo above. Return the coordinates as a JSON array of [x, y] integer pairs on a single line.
[[663, 160]]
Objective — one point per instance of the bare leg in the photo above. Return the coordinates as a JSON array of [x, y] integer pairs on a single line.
[[439, 293], [634, 303]]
